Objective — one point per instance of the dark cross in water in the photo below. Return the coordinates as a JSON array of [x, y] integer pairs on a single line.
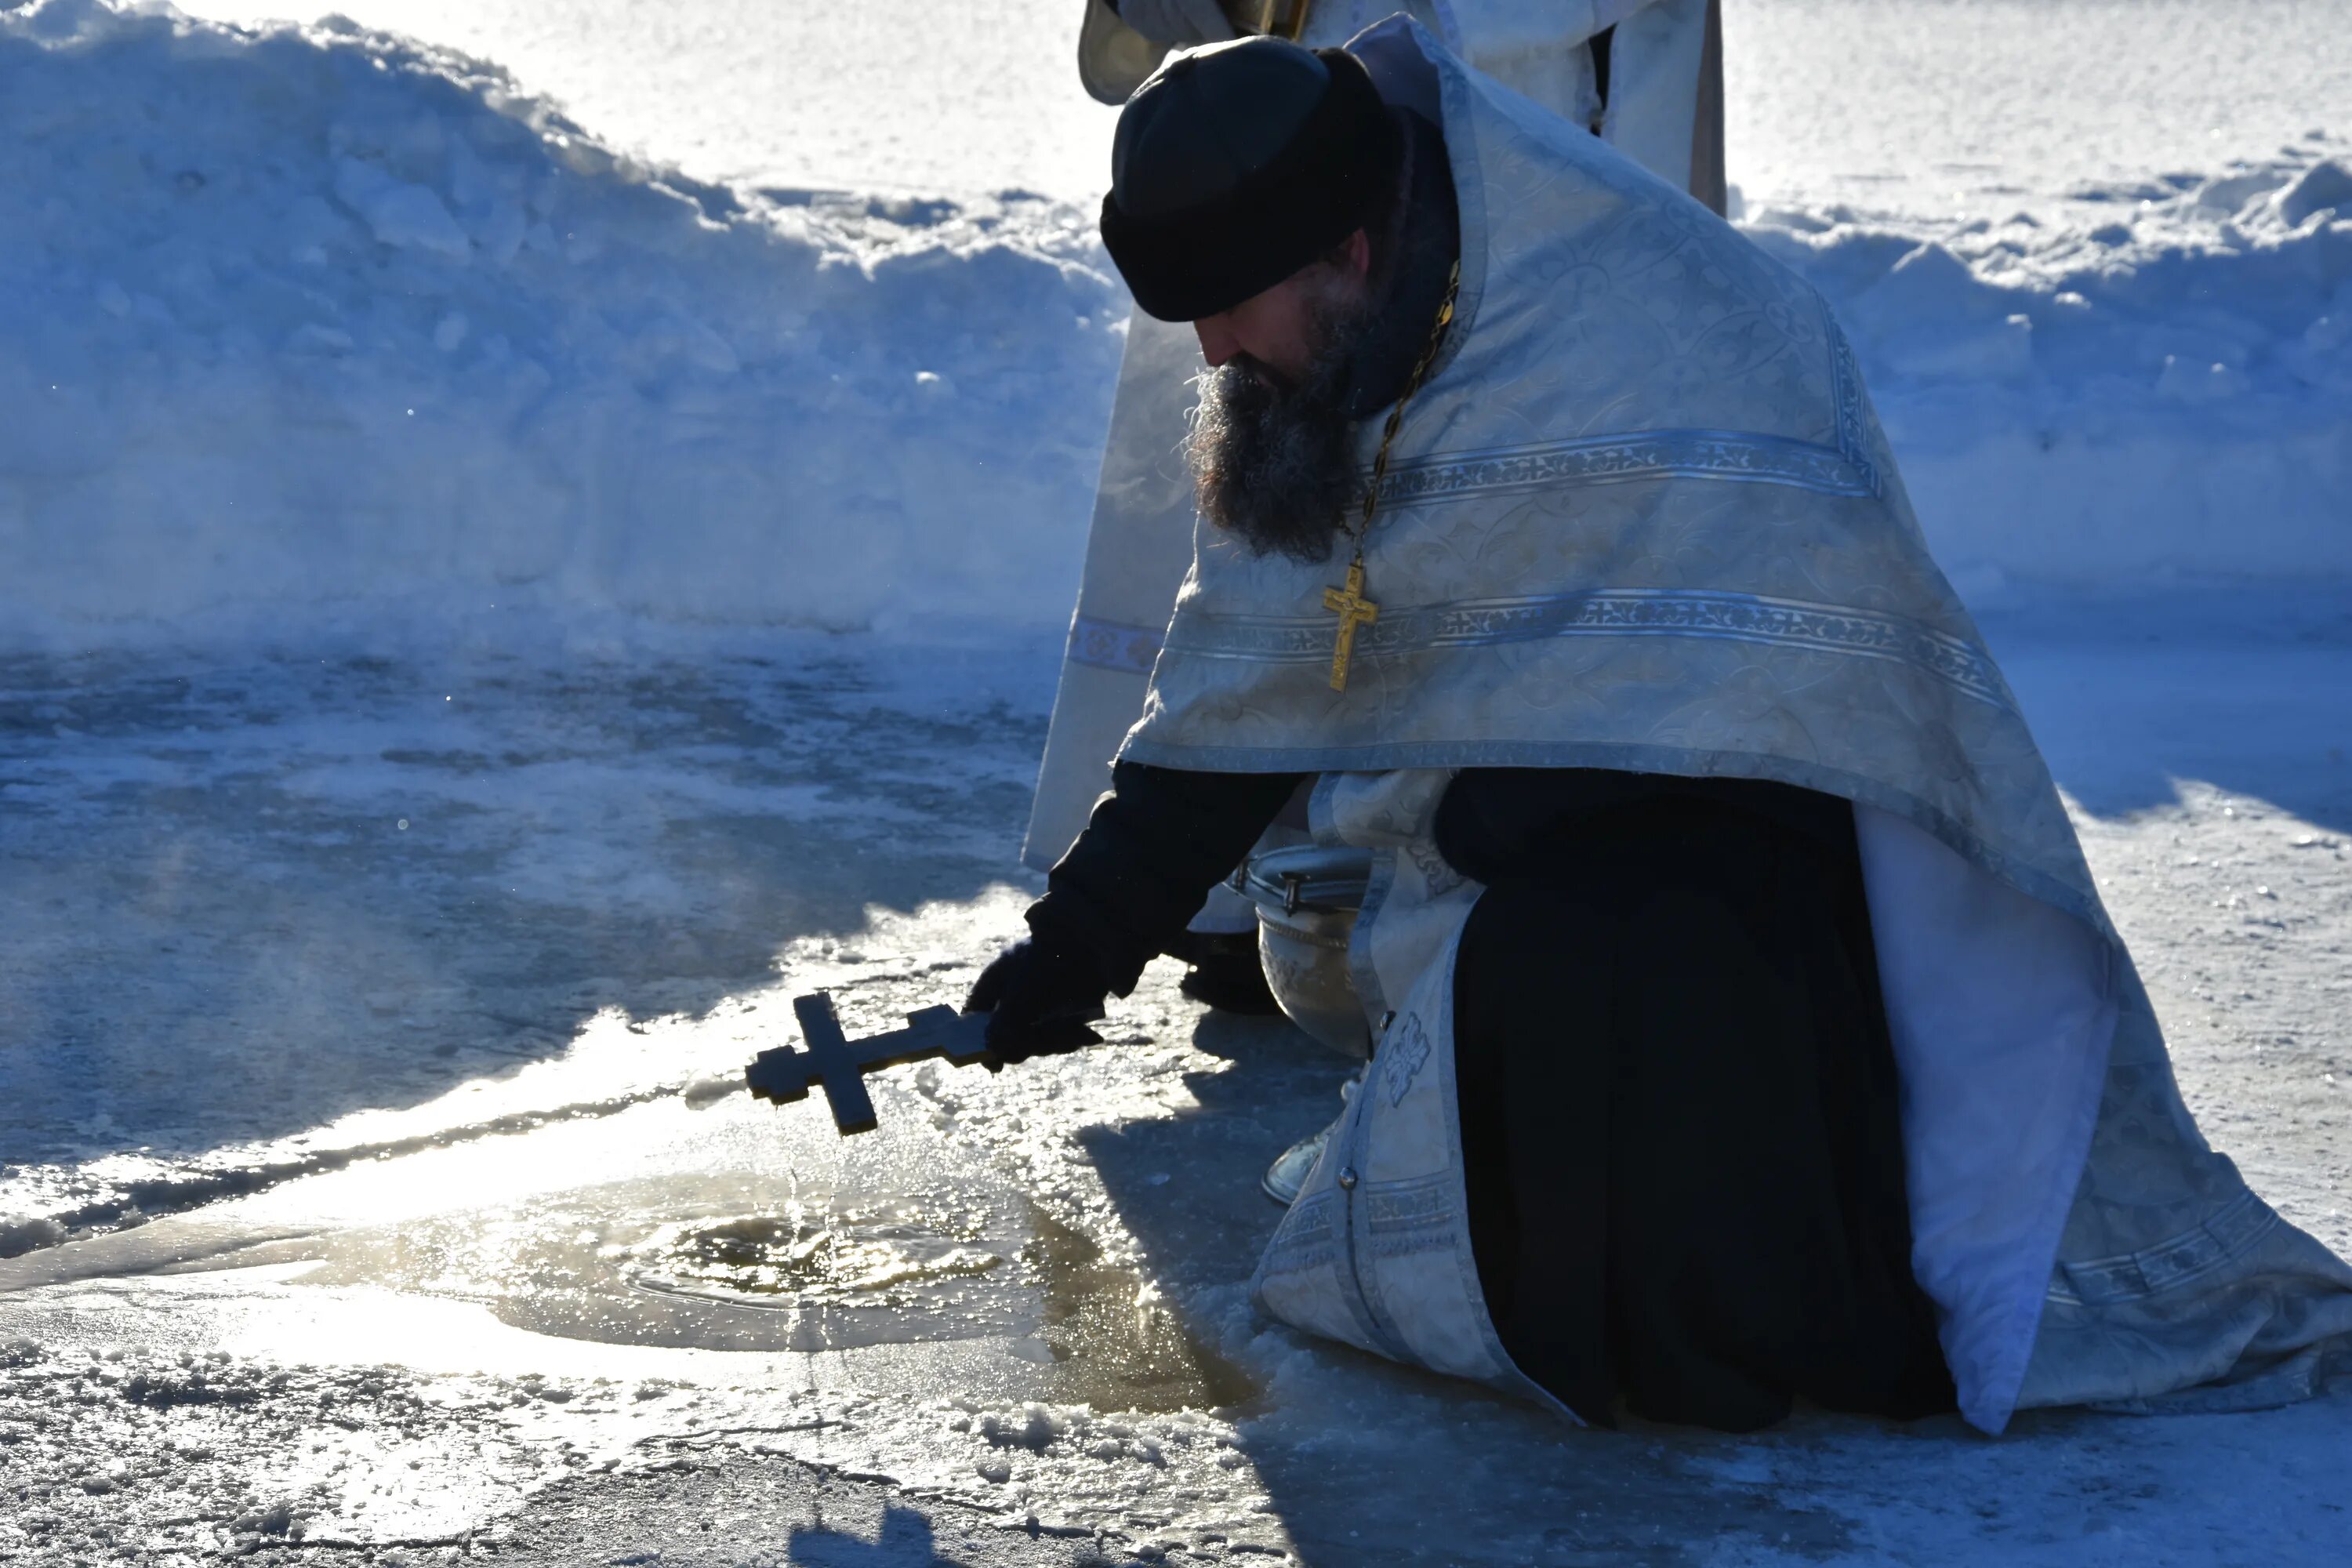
[[840, 1064]]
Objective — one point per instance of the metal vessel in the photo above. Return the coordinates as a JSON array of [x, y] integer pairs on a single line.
[[1307, 896]]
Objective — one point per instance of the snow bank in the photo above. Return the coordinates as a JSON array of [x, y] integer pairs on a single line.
[[301, 326], [307, 328], [2156, 387]]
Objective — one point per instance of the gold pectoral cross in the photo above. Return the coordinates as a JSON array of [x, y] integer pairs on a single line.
[[1354, 610], [1276, 18], [1349, 603]]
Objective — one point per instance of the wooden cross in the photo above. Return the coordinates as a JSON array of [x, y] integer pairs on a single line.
[[1354, 610], [840, 1064]]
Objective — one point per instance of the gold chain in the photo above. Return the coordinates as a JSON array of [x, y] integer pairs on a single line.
[[1347, 600], [1396, 415]]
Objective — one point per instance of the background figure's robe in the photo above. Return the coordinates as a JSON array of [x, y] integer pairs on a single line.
[[1640, 517], [1140, 542]]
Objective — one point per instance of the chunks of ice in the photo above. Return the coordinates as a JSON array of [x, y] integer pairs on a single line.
[[2187, 381], [2228, 193], [1922, 291], [1033, 1427], [403, 215], [2324, 184]]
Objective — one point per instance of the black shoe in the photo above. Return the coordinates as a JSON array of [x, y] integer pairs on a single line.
[[1225, 973]]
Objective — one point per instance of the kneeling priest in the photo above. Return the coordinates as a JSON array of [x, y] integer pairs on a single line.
[[1748, 1027]]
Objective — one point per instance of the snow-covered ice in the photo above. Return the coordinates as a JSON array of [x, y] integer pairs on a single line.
[[398, 1207], [486, 617]]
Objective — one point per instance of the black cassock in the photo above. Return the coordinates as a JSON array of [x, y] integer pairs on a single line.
[[1679, 1106]]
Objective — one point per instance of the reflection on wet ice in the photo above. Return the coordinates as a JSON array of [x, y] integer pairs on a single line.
[[796, 1260], [1119, 1345], [820, 1275], [701, 1263], [730, 1231]]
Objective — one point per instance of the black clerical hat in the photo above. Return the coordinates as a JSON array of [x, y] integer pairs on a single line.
[[1237, 164]]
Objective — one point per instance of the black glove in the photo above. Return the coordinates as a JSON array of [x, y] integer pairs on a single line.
[[1040, 994], [1152, 849]]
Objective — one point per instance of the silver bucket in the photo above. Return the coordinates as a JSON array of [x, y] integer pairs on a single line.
[[1306, 897]]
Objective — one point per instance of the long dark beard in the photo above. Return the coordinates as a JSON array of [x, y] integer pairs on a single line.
[[1277, 465]]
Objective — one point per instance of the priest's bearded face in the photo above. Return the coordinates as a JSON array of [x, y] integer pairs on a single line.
[[1273, 447]]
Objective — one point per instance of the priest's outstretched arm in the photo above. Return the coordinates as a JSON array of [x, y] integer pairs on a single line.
[[1154, 846]]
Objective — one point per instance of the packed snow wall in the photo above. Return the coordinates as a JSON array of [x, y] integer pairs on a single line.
[[307, 329], [2156, 392], [317, 326]]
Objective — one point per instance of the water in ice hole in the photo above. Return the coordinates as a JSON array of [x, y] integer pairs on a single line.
[[628, 1264]]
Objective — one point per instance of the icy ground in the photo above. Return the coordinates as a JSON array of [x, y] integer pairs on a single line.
[[371, 1050], [372, 1182]]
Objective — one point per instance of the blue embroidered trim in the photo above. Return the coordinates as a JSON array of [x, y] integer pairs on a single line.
[[1107, 644], [1416, 1204], [1728, 455], [1403, 1218], [1738, 457], [1308, 1238], [1605, 612], [2169, 1265], [1407, 1049], [1359, 1285], [1846, 391]]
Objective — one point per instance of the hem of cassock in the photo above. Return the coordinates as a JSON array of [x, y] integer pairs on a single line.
[[1715, 1150]]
